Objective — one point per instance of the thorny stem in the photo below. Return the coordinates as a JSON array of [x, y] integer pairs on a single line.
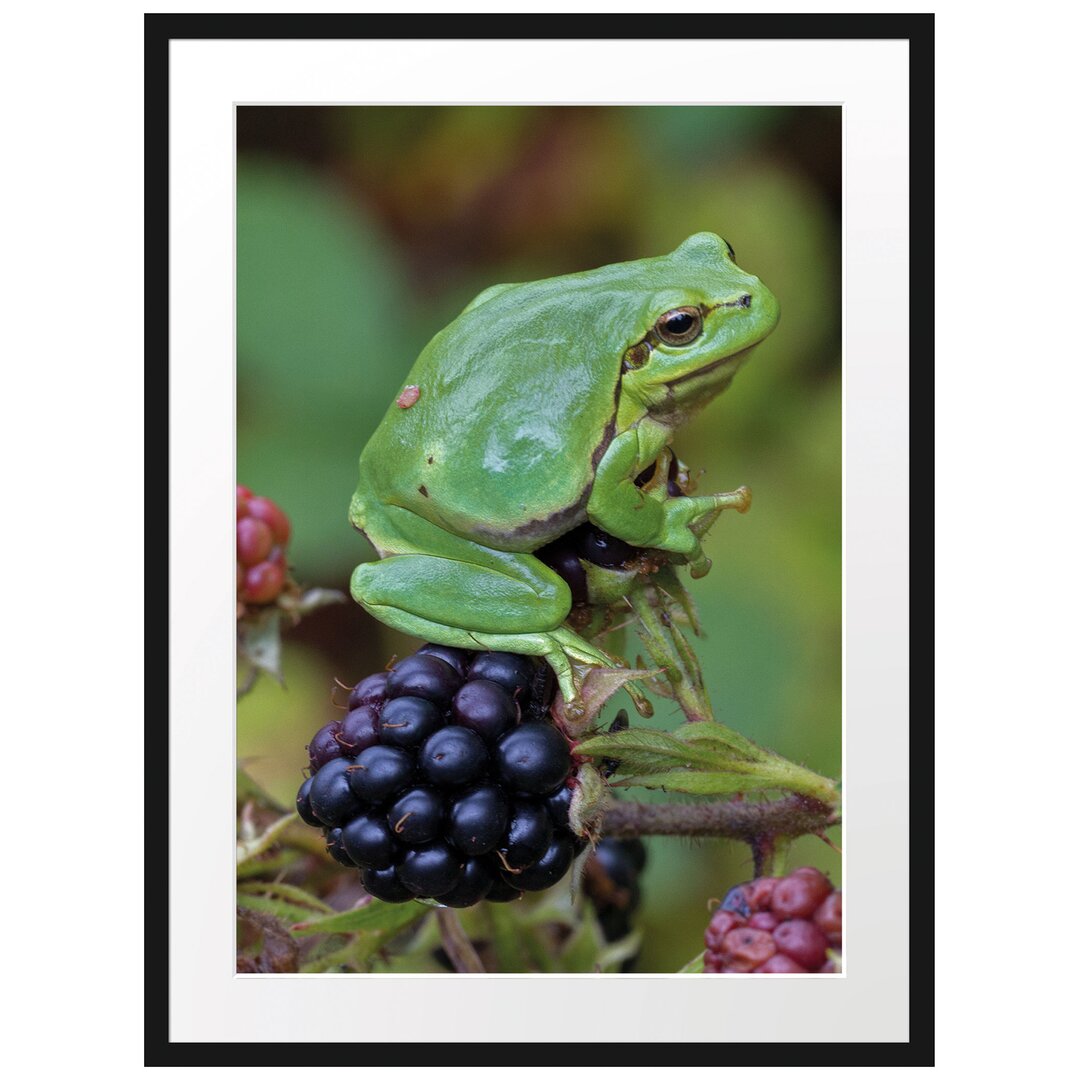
[[750, 822], [457, 944]]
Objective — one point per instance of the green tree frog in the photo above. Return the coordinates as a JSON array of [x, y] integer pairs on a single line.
[[532, 412]]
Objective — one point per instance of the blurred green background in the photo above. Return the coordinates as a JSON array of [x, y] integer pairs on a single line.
[[361, 231]]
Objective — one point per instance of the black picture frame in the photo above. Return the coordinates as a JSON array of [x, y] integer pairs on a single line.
[[160, 30]]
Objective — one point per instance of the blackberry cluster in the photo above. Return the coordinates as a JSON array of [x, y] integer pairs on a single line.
[[783, 926], [611, 883], [446, 779], [262, 532]]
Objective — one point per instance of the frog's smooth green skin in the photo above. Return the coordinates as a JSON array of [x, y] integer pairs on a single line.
[[534, 410]]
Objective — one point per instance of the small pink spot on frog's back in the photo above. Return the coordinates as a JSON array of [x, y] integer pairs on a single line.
[[408, 397]]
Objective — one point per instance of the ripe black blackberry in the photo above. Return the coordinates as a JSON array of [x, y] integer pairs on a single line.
[[611, 883], [790, 925], [446, 778]]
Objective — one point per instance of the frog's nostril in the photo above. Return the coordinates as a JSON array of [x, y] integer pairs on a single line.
[[744, 300]]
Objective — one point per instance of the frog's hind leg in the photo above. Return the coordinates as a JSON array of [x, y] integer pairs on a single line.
[[517, 606]]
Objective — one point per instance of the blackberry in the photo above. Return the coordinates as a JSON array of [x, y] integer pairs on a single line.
[[303, 804], [787, 925], [378, 773], [478, 819], [384, 885], [417, 816], [262, 533], [475, 883], [546, 870], [529, 834], [534, 758], [370, 691], [564, 558], [512, 672], [431, 869], [336, 847], [333, 800], [447, 779], [611, 882], [359, 730], [409, 721], [324, 745], [454, 756], [602, 549], [424, 676], [369, 842], [486, 708]]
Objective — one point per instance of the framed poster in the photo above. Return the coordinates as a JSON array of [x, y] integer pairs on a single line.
[[325, 196]]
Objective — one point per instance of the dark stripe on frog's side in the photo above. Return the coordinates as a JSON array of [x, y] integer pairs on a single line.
[[569, 517]]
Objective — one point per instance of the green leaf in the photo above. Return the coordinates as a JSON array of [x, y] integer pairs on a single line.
[[704, 758], [259, 641], [377, 915], [646, 749], [692, 782], [252, 848], [613, 954], [256, 868], [582, 952], [506, 936], [597, 688], [334, 957], [695, 966], [717, 736], [287, 912], [285, 891]]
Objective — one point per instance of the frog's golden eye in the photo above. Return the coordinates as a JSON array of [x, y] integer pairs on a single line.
[[679, 326]]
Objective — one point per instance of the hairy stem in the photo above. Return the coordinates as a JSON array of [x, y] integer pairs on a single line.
[[795, 815]]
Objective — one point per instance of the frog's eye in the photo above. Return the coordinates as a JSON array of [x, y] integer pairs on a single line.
[[730, 252], [679, 326]]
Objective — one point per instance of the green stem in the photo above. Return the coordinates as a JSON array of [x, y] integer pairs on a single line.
[[678, 663]]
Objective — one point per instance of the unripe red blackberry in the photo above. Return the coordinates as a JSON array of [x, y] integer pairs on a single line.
[[771, 926], [262, 532], [447, 778]]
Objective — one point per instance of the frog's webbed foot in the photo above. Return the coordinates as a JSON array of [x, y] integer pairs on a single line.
[[567, 653], [578, 649], [518, 605]]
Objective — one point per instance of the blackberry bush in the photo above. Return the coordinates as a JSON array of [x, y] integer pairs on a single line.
[[446, 779], [786, 925]]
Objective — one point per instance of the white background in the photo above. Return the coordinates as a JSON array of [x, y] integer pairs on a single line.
[[1006, 386]]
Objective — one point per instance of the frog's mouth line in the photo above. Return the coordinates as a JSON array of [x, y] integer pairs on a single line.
[[697, 374]]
